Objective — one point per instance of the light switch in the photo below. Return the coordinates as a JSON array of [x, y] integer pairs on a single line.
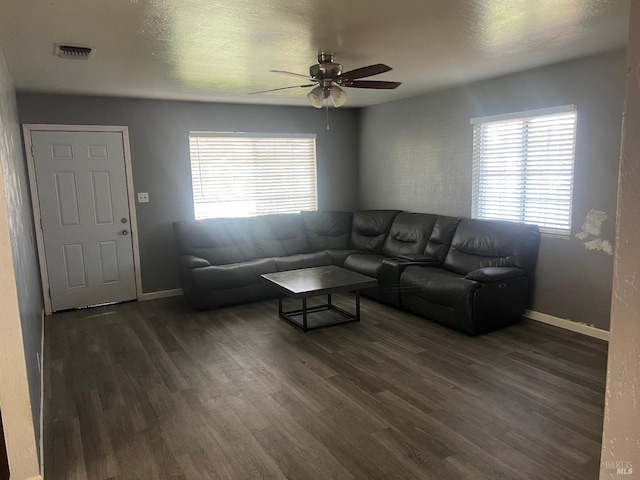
[[143, 197]]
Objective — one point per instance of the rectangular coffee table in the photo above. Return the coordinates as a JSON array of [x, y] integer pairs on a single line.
[[312, 282]]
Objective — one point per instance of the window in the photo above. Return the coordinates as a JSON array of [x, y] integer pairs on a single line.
[[523, 168], [242, 174]]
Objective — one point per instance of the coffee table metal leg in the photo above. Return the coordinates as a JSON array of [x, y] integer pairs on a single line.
[[306, 310], [304, 314]]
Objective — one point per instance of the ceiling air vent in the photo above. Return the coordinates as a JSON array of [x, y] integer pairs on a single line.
[[74, 52]]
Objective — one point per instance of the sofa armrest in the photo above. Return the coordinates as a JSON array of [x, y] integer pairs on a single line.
[[494, 274], [392, 268], [389, 279], [191, 261], [423, 259]]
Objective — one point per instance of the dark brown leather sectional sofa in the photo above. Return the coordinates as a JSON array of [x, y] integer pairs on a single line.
[[473, 275]]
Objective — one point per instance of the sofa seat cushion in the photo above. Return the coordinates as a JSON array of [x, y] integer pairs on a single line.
[[438, 286], [338, 257], [232, 275], [364, 263], [303, 260]]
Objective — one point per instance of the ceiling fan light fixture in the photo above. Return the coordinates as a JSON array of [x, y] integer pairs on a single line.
[[316, 96], [338, 96]]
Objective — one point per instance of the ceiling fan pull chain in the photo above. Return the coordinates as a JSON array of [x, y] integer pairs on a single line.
[[327, 115]]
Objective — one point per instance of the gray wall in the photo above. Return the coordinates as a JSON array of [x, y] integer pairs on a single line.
[[413, 154], [24, 252], [416, 155], [158, 133]]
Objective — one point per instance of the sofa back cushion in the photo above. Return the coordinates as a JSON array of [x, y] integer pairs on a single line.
[[278, 235], [492, 243], [327, 230], [221, 241], [369, 229], [442, 236], [409, 233]]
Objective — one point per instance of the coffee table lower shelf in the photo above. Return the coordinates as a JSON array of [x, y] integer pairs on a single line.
[[300, 317]]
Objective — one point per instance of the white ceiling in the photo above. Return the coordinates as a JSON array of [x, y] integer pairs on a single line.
[[219, 50]]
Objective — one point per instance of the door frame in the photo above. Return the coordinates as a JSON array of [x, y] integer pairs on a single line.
[[27, 128]]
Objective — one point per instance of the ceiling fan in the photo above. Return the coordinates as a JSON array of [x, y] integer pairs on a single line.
[[328, 79]]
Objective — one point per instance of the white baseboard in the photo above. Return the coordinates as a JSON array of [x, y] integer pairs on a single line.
[[176, 292], [37, 477], [568, 324], [41, 442]]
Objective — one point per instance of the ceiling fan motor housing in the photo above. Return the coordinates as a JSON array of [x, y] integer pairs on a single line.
[[325, 71]]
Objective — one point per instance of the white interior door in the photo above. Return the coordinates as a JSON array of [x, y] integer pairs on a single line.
[[86, 223]]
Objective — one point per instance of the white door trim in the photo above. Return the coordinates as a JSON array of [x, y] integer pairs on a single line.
[[27, 128]]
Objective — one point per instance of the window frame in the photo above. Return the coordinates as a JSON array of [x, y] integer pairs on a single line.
[[251, 162], [525, 117]]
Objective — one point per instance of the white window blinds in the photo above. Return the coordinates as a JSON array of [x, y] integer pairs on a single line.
[[523, 168], [239, 175]]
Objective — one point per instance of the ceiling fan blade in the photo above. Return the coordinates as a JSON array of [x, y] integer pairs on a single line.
[[365, 71], [282, 88], [299, 75], [372, 84]]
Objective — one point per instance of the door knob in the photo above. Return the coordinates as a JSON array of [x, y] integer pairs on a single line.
[[125, 232]]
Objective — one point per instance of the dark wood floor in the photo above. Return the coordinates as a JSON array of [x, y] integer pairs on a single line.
[[152, 390]]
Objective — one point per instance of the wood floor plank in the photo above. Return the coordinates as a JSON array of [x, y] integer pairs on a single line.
[[494, 443], [135, 459], [428, 465], [307, 455], [360, 453], [405, 421], [153, 390], [244, 445], [99, 459]]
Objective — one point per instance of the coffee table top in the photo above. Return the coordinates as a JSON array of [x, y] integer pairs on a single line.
[[307, 282]]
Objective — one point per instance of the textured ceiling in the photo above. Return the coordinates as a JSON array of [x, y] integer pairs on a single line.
[[217, 50]]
